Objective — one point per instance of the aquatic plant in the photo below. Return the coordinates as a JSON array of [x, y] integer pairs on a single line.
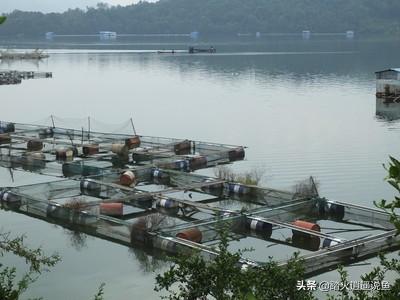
[[76, 204], [306, 188], [252, 177]]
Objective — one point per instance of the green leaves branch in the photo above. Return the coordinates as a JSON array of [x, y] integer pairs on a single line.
[[10, 289]]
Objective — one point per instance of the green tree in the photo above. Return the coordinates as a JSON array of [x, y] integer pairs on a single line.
[[2, 19], [227, 17], [12, 288], [37, 261], [393, 178]]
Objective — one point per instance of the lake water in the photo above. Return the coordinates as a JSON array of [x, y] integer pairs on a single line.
[[301, 107]]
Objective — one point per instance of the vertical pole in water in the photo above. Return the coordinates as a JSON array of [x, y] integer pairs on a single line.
[[133, 126], [314, 186], [54, 126], [9, 156], [89, 129]]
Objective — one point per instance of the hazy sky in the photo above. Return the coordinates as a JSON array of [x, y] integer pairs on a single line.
[[55, 5]]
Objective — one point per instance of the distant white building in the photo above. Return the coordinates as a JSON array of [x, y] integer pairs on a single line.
[[388, 83], [306, 34], [107, 35], [49, 35], [350, 34]]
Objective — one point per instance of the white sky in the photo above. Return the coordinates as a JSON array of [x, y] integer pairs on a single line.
[[55, 5]]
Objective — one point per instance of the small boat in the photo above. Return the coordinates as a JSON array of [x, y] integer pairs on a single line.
[[166, 51], [200, 50]]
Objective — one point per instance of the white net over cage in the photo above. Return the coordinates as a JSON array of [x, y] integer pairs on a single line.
[[88, 123]]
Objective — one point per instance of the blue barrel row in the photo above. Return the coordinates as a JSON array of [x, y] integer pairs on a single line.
[[309, 242]]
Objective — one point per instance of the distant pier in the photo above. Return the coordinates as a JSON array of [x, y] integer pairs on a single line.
[[305, 34], [111, 35]]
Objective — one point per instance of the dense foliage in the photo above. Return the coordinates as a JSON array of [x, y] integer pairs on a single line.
[[216, 17]]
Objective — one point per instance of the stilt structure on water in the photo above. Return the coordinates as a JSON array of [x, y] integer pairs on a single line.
[[140, 191], [388, 85]]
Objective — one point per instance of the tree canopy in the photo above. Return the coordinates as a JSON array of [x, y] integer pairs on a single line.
[[215, 17]]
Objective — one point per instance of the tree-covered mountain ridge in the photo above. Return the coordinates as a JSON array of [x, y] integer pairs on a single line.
[[215, 17]]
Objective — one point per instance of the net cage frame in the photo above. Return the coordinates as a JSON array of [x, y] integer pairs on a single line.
[[167, 198]]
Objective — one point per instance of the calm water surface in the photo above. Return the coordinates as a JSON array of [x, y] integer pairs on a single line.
[[302, 108]]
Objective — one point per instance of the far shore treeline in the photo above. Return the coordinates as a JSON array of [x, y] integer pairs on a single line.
[[215, 17]]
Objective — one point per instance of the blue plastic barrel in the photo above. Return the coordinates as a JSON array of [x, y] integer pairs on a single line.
[[90, 188], [330, 242], [167, 203], [57, 211], [10, 199], [182, 165], [336, 211], [258, 225], [157, 173], [236, 188]]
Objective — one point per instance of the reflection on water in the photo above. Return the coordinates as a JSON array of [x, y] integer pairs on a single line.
[[387, 110], [149, 262], [78, 240]]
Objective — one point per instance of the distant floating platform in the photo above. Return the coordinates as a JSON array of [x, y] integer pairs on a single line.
[[13, 55], [16, 77]]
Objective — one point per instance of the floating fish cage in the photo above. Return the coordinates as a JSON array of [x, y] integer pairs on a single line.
[[140, 191], [84, 153], [16, 77]]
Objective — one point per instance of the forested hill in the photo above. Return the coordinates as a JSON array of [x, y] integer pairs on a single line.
[[216, 17]]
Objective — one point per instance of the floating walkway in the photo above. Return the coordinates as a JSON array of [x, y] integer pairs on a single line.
[[12, 55], [140, 191]]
